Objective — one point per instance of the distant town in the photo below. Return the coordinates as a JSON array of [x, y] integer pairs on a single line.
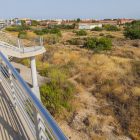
[[79, 24]]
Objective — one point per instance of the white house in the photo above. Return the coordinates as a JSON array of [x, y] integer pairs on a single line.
[[89, 25]]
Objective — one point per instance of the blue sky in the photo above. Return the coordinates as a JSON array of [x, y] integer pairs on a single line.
[[69, 9]]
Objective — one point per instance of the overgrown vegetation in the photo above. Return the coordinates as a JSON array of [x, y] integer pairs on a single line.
[[101, 34], [112, 28], [54, 30], [34, 22], [19, 28], [132, 32], [51, 38], [62, 26], [75, 41], [81, 33], [97, 29], [56, 93], [101, 44]]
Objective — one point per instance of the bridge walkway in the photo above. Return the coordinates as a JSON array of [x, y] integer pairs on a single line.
[[12, 125]]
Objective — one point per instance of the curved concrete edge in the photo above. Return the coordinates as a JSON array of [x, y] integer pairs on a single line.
[[22, 55]]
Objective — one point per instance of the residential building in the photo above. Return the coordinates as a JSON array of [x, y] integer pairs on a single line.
[[108, 21], [58, 20], [43, 23], [87, 25], [28, 22], [25, 19], [123, 21], [15, 19], [67, 23], [86, 19], [54, 23], [38, 20]]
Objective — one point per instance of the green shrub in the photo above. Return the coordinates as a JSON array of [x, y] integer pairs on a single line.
[[22, 34], [101, 34], [61, 26], [13, 29], [103, 43], [56, 93], [132, 33], [51, 38], [54, 30], [97, 29], [34, 22], [19, 28], [38, 32], [81, 33], [74, 31], [110, 36], [97, 50], [75, 42], [112, 28]]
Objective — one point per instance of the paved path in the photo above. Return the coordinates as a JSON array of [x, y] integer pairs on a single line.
[[25, 73]]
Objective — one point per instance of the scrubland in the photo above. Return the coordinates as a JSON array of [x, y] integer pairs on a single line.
[[98, 94]]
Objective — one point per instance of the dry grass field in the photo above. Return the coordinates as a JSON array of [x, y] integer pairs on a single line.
[[106, 99]]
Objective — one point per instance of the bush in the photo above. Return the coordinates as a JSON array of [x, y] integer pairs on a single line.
[[112, 28], [51, 38], [132, 33], [101, 34], [103, 43], [81, 33], [110, 36], [21, 34], [50, 31], [57, 92], [75, 42], [34, 22], [38, 32], [97, 29], [65, 26], [13, 29], [74, 31], [19, 28]]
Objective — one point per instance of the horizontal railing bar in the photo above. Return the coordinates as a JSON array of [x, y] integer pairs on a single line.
[[57, 132], [23, 112]]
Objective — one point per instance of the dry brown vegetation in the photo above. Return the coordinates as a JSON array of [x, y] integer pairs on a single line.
[[107, 95]]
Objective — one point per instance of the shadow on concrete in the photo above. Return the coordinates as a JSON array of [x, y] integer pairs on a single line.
[[30, 85], [18, 70], [11, 125]]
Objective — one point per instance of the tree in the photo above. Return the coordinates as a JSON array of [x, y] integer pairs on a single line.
[[94, 21], [78, 20], [34, 22]]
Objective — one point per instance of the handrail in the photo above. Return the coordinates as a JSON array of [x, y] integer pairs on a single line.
[[57, 132]]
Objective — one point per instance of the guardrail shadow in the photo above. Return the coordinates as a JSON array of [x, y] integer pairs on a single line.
[[11, 126]]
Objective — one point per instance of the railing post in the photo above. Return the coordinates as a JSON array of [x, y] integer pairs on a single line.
[[19, 43], [35, 89], [0, 71], [40, 41], [12, 87], [23, 46]]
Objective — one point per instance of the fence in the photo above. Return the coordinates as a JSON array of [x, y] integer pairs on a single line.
[[16, 44], [28, 104]]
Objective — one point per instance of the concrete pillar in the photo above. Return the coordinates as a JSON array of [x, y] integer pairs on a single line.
[[33, 71], [35, 89]]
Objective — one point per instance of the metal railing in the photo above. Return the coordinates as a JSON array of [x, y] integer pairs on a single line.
[[16, 44], [26, 102]]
